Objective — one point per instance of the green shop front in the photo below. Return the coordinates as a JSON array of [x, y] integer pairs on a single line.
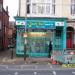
[[39, 32]]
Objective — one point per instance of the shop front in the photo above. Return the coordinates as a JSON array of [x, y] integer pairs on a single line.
[[40, 31]]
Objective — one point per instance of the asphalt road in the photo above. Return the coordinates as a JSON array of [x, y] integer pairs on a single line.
[[34, 70]]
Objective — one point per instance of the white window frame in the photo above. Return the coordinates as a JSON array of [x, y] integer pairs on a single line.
[[48, 8], [29, 8], [72, 7], [53, 6], [34, 8], [41, 8]]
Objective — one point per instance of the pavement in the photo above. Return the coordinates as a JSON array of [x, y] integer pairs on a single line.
[[33, 66], [5, 58], [34, 69]]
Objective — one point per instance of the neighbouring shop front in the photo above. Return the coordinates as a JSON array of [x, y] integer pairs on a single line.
[[40, 31]]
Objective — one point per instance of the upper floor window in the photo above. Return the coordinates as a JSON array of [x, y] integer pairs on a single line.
[[73, 7], [53, 1], [47, 8], [28, 8], [28, 1], [44, 7], [34, 8], [72, 1], [53, 9], [41, 8], [53, 6]]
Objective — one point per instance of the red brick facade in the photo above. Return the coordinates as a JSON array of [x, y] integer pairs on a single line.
[[4, 19]]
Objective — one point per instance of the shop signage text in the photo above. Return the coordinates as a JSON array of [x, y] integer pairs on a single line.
[[40, 24]]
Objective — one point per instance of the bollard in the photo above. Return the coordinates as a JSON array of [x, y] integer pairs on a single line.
[[11, 53]]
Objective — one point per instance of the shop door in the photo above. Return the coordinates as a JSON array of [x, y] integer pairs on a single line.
[[69, 40]]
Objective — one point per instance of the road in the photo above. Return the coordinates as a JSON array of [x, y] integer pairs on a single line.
[[34, 70]]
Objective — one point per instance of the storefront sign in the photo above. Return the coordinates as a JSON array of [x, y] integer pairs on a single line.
[[41, 24], [20, 22], [59, 23]]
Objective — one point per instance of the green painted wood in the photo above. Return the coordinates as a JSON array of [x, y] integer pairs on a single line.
[[62, 39]]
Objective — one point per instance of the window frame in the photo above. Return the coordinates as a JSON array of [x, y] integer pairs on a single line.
[[72, 7], [28, 8], [34, 11]]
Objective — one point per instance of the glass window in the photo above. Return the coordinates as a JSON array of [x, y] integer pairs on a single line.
[[28, 1], [41, 8], [72, 7], [53, 6], [53, 1], [34, 8], [28, 8], [47, 8], [53, 9], [72, 1]]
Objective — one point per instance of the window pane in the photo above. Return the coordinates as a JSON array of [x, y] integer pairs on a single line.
[[28, 0], [41, 8], [53, 9], [48, 8], [72, 1], [73, 9], [53, 1], [28, 8], [34, 8]]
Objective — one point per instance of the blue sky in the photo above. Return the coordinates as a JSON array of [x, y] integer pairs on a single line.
[[12, 7]]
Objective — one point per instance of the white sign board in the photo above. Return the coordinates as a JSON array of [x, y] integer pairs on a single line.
[[59, 23], [19, 22]]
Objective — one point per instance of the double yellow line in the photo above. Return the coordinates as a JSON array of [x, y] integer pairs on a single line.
[[68, 65]]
